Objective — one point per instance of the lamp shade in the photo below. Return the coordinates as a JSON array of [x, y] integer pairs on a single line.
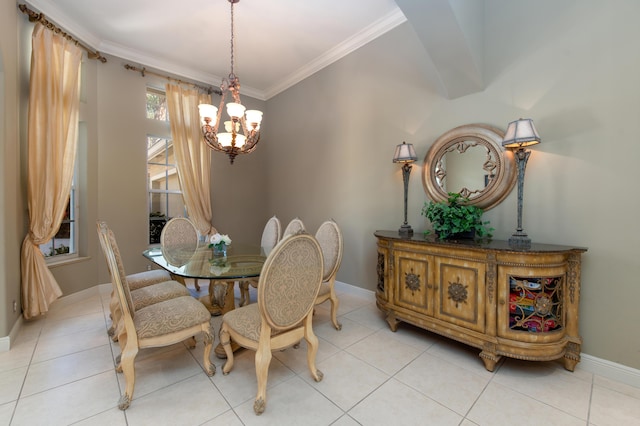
[[405, 153], [208, 111], [520, 133], [235, 109]]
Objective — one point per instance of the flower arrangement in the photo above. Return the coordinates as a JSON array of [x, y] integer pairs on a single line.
[[219, 242]]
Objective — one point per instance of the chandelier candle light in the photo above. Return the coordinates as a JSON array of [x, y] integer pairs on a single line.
[[406, 154], [231, 141], [520, 133]]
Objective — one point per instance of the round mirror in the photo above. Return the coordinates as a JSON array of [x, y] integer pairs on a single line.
[[470, 160]]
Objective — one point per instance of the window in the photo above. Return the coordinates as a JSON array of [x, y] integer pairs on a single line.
[[65, 241], [157, 105], [165, 195]]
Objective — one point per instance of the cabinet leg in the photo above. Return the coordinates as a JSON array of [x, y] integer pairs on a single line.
[[571, 356], [392, 321], [490, 360]]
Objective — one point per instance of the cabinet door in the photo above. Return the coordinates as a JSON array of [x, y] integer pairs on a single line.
[[414, 283], [460, 295], [531, 303]]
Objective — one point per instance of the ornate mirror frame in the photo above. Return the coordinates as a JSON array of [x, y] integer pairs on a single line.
[[498, 166]]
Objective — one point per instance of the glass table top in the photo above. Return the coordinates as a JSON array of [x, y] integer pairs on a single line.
[[242, 261]]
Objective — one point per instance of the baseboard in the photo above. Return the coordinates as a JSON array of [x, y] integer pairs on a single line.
[[351, 289], [6, 341], [610, 370]]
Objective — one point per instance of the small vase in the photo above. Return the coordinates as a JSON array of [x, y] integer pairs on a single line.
[[220, 251]]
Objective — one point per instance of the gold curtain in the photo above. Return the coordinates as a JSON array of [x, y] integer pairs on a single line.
[[52, 135], [193, 157]]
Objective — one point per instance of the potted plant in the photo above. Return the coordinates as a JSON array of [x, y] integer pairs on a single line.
[[456, 218]]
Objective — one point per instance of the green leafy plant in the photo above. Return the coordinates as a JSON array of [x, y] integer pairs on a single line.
[[456, 216]]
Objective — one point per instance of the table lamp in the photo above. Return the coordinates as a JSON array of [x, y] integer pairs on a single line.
[[405, 154], [520, 134]]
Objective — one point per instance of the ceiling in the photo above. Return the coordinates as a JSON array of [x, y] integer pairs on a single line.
[[277, 42]]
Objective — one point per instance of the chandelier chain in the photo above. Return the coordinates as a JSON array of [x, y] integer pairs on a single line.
[[232, 32]]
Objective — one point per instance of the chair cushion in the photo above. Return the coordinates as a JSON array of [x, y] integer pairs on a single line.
[[245, 321], [143, 279], [170, 316], [159, 292]]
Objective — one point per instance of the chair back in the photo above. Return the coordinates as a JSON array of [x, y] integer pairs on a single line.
[[293, 227], [116, 268], [179, 241], [290, 281], [330, 239], [271, 234]]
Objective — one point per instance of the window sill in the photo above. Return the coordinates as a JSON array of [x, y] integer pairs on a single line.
[[67, 261]]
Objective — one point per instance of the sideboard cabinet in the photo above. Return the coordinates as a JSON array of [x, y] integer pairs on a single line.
[[507, 302]]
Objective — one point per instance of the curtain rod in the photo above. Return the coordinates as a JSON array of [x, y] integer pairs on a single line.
[[144, 71], [39, 17]]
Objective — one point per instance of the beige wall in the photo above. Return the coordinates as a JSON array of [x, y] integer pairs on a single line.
[[328, 143], [12, 205], [572, 75]]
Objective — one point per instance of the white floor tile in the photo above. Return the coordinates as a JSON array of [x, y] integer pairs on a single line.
[[500, 406], [612, 408], [292, 402], [240, 384], [111, 417], [190, 402], [162, 369], [386, 355], [12, 381], [351, 333], [66, 369], [347, 380], [53, 347], [444, 382], [6, 412], [19, 356], [547, 384], [228, 418], [395, 403], [70, 403]]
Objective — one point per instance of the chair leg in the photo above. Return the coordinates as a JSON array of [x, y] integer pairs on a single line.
[[128, 369], [244, 293], [195, 283], [263, 359], [334, 309], [225, 341], [209, 368], [312, 348]]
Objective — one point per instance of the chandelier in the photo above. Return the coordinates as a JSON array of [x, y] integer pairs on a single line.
[[231, 141]]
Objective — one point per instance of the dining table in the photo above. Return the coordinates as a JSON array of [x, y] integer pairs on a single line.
[[240, 263]]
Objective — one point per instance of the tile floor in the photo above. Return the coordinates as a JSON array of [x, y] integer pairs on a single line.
[[61, 372]]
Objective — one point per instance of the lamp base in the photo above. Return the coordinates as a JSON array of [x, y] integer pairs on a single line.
[[520, 240], [405, 231]]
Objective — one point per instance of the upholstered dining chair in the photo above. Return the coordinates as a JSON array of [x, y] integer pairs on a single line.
[[161, 324], [288, 287], [270, 237], [180, 232], [329, 237], [293, 227], [146, 288]]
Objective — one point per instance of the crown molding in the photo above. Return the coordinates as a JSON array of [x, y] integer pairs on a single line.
[[371, 32]]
